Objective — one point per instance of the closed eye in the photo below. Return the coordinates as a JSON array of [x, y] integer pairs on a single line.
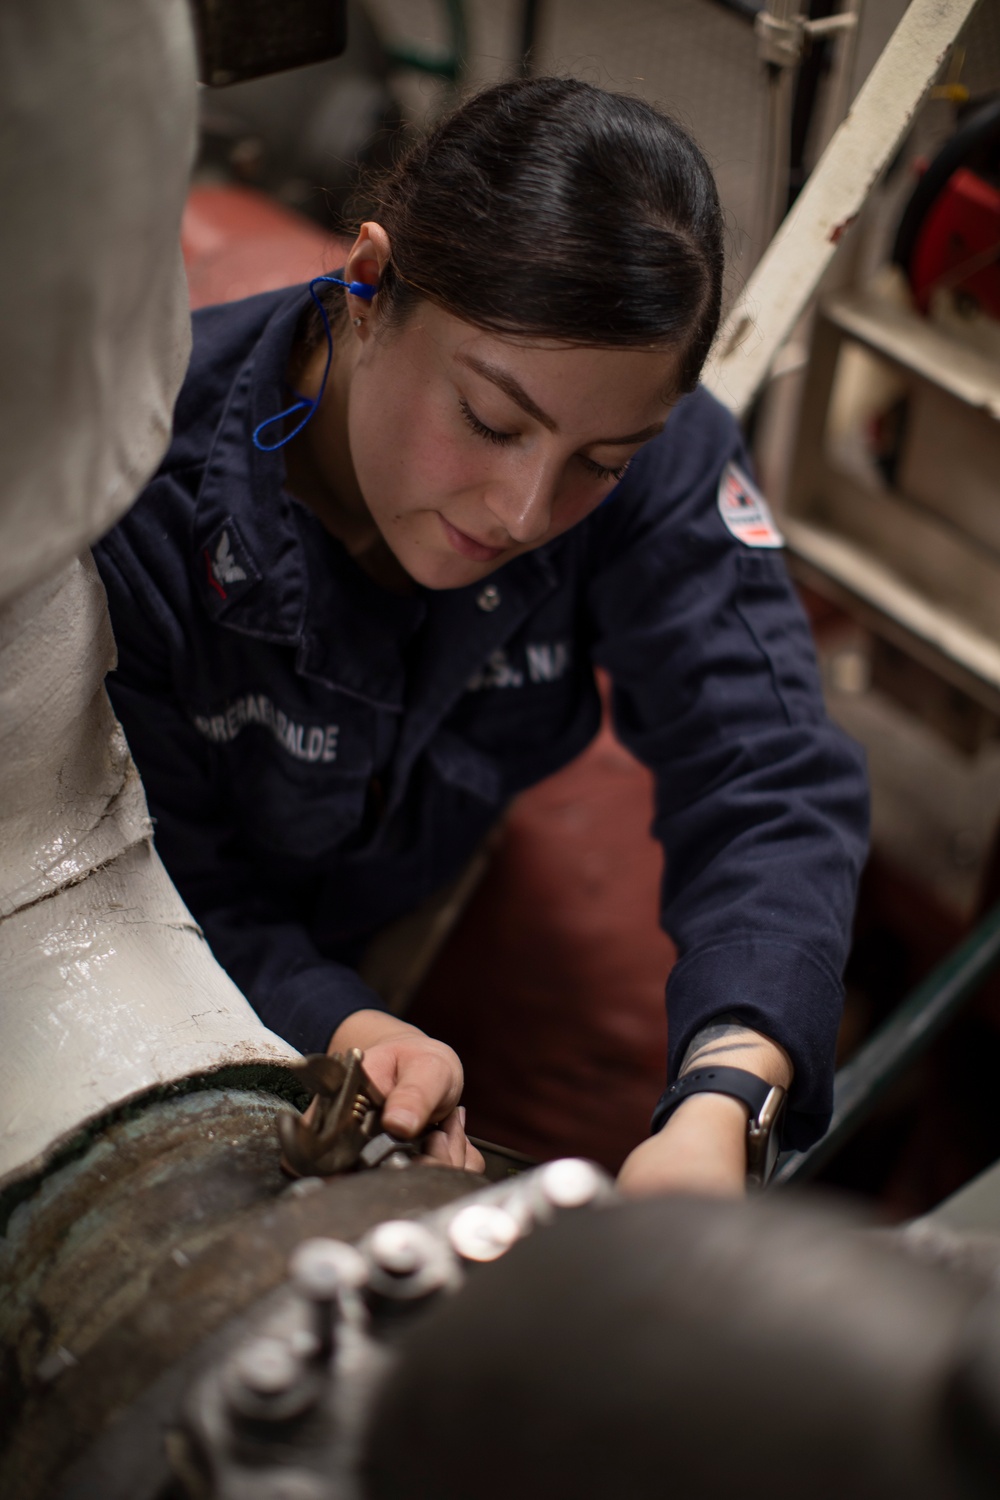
[[501, 439], [601, 472], [489, 433]]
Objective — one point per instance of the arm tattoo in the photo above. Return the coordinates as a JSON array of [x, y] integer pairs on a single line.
[[703, 1054], [720, 1037]]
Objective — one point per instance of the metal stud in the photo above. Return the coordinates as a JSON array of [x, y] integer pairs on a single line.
[[267, 1366], [488, 599], [482, 1232], [401, 1247], [265, 1381], [327, 1273], [572, 1183], [321, 1268], [408, 1261]]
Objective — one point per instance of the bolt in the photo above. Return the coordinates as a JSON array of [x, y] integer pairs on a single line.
[[572, 1183], [305, 1344], [409, 1262], [266, 1366], [323, 1271], [401, 1248], [482, 1232], [305, 1187], [266, 1381], [321, 1268], [298, 1486], [54, 1364]]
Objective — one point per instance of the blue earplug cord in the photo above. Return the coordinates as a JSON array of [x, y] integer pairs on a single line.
[[306, 404]]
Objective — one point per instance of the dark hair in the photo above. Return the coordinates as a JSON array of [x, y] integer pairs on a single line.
[[551, 208]]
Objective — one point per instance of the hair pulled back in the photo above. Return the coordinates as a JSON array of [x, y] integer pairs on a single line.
[[550, 208]]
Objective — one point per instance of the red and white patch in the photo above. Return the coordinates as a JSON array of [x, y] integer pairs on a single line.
[[745, 511]]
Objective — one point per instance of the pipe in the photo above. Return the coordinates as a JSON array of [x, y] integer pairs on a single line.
[[108, 987]]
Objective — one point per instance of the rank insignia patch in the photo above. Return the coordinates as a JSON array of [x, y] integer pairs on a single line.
[[228, 568]]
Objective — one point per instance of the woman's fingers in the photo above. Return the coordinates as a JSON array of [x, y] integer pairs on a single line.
[[427, 1086], [421, 1079], [449, 1146], [447, 1142], [474, 1161], [465, 1152]]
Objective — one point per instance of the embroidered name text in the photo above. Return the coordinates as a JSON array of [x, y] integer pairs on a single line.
[[497, 673], [305, 742], [547, 663]]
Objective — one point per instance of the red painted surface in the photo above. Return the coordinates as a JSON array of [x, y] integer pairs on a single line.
[[551, 989], [237, 242]]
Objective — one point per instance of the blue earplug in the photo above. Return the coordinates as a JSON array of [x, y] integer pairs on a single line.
[[307, 404]]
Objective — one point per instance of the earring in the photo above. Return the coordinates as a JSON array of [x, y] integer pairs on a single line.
[[358, 322]]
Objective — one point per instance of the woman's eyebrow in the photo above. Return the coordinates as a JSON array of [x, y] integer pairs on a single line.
[[510, 387], [652, 431], [517, 393]]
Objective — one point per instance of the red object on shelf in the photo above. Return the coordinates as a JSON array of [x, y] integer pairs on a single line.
[[959, 243]]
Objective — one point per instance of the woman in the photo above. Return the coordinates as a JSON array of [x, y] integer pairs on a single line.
[[355, 620]]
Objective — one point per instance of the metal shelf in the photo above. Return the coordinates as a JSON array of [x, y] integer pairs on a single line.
[[918, 346], [840, 569]]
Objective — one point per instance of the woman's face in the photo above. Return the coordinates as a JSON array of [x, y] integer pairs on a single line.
[[470, 447]]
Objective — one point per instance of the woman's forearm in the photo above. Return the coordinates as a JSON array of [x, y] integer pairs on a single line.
[[702, 1147]]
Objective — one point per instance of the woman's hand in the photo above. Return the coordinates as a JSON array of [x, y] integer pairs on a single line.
[[703, 1146], [421, 1079]]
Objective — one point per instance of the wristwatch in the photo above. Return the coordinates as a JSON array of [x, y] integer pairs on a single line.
[[765, 1101]]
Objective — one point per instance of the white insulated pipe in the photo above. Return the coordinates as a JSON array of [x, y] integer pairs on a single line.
[[107, 988]]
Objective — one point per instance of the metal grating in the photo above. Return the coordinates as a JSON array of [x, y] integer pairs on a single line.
[[695, 59]]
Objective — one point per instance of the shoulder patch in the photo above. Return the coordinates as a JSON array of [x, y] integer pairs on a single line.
[[228, 570], [745, 512]]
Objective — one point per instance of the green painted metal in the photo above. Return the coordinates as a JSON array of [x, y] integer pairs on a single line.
[[907, 1033], [449, 65]]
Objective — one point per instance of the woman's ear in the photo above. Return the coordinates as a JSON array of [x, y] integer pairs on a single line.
[[368, 258]]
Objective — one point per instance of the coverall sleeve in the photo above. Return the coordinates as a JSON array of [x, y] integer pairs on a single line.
[[270, 956], [761, 803]]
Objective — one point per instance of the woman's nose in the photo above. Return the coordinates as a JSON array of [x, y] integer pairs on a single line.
[[524, 504]]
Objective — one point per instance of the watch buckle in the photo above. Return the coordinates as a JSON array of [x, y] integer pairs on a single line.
[[762, 1138]]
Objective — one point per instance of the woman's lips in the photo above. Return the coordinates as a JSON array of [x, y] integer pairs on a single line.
[[468, 546]]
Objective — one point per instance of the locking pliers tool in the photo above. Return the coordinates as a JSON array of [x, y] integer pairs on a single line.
[[343, 1131]]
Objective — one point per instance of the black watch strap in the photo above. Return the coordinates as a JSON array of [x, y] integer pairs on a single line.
[[733, 1081], [764, 1101]]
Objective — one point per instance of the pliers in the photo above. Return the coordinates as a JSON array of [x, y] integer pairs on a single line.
[[344, 1131]]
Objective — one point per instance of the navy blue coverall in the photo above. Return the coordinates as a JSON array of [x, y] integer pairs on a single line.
[[319, 754]]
